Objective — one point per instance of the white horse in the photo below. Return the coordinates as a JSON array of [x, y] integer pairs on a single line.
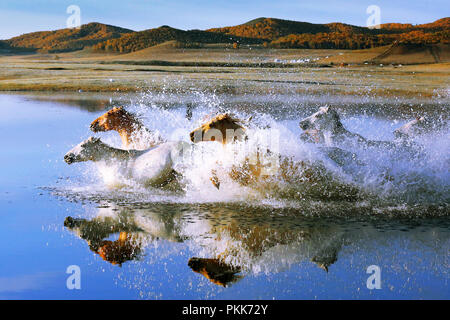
[[325, 127], [153, 167]]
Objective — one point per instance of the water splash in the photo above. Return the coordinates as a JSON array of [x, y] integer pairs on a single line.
[[380, 176]]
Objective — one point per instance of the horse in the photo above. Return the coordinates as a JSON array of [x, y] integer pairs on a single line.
[[325, 127], [226, 129], [131, 130], [222, 128], [152, 167], [262, 165]]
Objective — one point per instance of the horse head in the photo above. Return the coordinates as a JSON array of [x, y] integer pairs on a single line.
[[84, 151], [222, 128], [115, 119], [326, 119]]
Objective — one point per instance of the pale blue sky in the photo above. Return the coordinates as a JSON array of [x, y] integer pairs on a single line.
[[21, 16]]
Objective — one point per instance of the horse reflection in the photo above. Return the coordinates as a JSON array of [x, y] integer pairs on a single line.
[[215, 270], [126, 247], [232, 244]]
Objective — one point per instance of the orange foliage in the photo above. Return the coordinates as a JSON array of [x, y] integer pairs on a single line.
[[67, 39]]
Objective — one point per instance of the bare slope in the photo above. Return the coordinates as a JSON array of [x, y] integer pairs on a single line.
[[411, 53]]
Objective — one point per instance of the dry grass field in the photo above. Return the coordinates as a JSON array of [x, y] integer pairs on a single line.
[[220, 68]]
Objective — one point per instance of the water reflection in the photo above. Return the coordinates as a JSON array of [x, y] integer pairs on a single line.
[[229, 242]]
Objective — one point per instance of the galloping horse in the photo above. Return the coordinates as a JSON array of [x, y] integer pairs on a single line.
[[226, 129], [132, 131], [325, 127], [152, 167], [256, 167]]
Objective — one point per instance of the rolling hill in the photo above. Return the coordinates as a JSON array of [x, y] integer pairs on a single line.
[[67, 39], [438, 25], [271, 29], [271, 32], [148, 38], [292, 34]]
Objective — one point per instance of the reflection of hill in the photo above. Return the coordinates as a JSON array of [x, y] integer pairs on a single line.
[[83, 101]]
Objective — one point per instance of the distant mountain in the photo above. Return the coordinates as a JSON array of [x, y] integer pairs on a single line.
[[67, 39], [271, 29], [280, 33], [143, 39], [438, 25], [271, 32]]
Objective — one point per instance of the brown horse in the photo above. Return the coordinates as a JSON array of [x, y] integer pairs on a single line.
[[222, 128], [226, 129], [132, 131]]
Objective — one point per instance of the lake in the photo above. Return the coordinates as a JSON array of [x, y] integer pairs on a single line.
[[375, 231]]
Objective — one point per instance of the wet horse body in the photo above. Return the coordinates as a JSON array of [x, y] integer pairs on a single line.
[[222, 128], [152, 167], [324, 127], [259, 168], [227, 130]]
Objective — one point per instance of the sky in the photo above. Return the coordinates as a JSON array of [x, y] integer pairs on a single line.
[[22, 16]]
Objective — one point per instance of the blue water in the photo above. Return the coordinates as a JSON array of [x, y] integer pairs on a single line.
[[38, 191]]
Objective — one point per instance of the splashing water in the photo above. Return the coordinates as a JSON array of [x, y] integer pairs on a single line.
[[380, 176]]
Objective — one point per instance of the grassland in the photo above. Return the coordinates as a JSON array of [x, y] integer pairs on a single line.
[[220, 68]]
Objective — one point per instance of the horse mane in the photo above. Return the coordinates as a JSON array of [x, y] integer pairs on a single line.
[[134, 116], [224, 117]]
